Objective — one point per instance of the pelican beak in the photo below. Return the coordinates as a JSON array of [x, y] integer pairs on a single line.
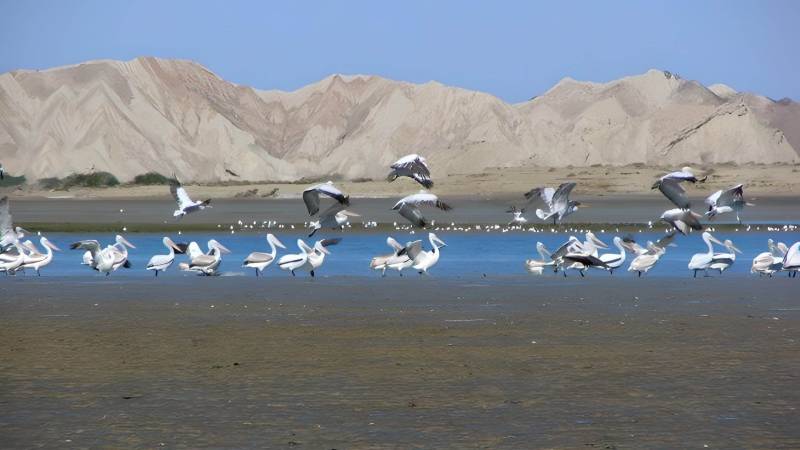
[[716, 241], [598, 242], [174, 246], [736, 249], [324, 250], [125, 241], [222, 248], [53, 246], [24, 230], [279, 243]]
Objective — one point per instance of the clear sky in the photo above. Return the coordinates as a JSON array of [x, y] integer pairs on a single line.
[[512, 49]]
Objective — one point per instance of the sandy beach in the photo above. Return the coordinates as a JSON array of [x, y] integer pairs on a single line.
[[354, 363]]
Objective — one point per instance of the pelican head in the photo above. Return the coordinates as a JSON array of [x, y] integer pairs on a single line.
[[121, 240], [595, 240], [170, 244], [46, 242], [729, 245], [436, 241], [272, 239], [213, 244], [708, 237]]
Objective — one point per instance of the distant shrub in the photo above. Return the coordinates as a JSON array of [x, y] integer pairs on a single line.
[[151, 178], [49, 183], [92, 180], [9, 180]]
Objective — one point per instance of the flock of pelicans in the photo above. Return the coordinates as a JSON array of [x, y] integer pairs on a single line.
[[18, 254]]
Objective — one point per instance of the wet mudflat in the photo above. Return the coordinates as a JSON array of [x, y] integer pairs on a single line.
[[355, 362]]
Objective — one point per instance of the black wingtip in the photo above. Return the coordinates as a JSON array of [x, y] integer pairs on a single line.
[[74, 245], [428, 184], [182, 248], [346, 200], [126, 264]]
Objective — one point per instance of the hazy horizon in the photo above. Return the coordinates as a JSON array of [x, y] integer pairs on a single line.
[[513, 51]]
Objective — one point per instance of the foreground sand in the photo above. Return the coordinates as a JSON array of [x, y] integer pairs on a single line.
[[501, 183], [356, 363]]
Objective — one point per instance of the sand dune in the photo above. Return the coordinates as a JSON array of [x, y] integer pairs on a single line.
[[161, 115]]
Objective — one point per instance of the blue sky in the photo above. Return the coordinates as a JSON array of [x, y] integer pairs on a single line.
[[512, 49]]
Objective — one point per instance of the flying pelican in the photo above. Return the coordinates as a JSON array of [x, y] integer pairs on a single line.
[[408, 207], [36, 260], [721, 260], [311, 196], [683, 220], [397, 260], [160, 263], [537, 266], [414, 167], [721, 202], [424, 259], [260, 260], [185, 204], [702, 261], [8, 233], [614, 260], [309, 258], [791, 262], [518, 218], [685, 174], [557, 201], [646, 258], [204, 263], [334, 217], [672, 189]]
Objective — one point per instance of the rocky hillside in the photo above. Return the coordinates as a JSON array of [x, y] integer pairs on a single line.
[[160, 115]]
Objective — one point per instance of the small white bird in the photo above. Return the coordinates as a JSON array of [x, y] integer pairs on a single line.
[[721, 202]]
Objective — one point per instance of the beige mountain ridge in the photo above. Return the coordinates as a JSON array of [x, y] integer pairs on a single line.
[[168, 116]]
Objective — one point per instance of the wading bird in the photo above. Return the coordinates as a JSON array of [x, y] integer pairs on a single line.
[[702, 261], [425, 259], [614, 260], [309, 258], [767, 263], [160, 263], [260, 260], [408, 207], [791, 262], [36, 260], [397, 260], [104, 260], [204, 263], [721, 202], [646, 258], [185, 204], [722, 260], [414, 167], [537, 266]]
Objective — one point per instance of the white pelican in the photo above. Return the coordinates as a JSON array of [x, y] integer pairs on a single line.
[[8, 233], [13, 258], [557, 201], [723, 260], [683, 220], [767, 263], [685, 174], [309, 259], [334, 217], [100, 259], [647, 258], [537, 266], [572, 245], [721, 202], [204, 263], [424, 259], [36, 260], [397, 260], [260, 260], [414, 167], [518, 218], [160, 263], [791, 262], [702, 261], [311, 196], [614, 260], [580, 256], [185, 204], [120, 250], [408, 206]]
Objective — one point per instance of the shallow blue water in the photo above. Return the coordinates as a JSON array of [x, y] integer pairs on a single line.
[[467, 254]]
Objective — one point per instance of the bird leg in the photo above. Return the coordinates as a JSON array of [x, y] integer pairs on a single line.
[[312, 274]]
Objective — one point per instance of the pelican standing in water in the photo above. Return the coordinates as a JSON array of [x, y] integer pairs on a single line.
[[309, 258], [414, 167], [334, 217], [397, 260], [36, 260], [120, 250], [647, 258], [99, 259], [721, 202], [408, 207], [260, 260], [185, 204], [160, 263], [791, 262], [425, 259], [767, 263], [557, 201], [702, 261], [204, 263], [537, 266], [614, 260], [723, 260], [13, 258]]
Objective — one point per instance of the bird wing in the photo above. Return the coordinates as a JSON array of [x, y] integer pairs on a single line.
[[90, 244], [731, 196], [330, 242], [413, 249], [412, 214], [311, 196], [713, 199], [560, 199], [417, 167], [179, 194], [202, 260], [545, 194], [394, 244], [332, 210], [666, 240], [587, 260], [258, 257], [671, 188], [5, 217]]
